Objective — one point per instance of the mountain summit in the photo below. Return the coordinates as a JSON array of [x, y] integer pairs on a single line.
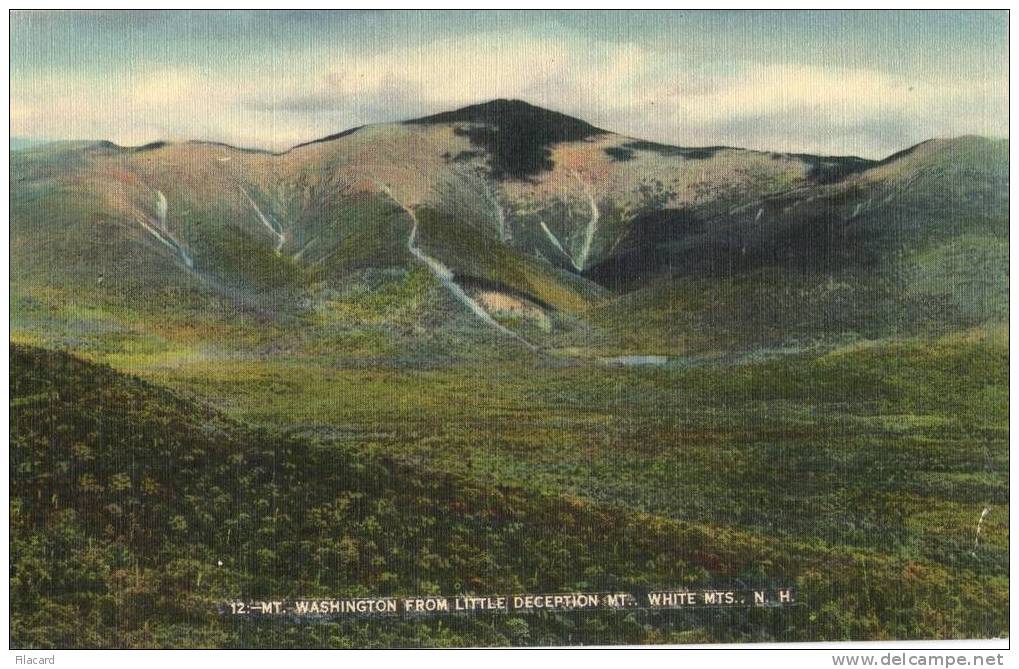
[[516, 135]]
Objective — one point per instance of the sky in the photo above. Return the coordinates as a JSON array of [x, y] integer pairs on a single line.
[[865, 83]]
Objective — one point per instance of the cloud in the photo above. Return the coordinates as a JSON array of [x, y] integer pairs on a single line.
[[623, 86], [813, 109]]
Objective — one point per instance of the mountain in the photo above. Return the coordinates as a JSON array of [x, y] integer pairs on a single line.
[[509, 223], [501, 350], [18, 143]]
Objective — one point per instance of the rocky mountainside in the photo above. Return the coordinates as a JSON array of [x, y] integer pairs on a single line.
[[532, 226]]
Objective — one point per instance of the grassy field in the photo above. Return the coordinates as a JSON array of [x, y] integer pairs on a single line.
[[894, 446]]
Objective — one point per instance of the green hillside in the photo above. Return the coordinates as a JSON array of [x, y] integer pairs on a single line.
[[134, 512]]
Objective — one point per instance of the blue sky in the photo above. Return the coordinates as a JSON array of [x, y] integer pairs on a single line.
[[865, 83]]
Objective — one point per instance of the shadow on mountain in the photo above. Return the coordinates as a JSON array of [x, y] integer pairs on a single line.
[[677, 242]]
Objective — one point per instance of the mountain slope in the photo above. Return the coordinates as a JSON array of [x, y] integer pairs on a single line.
[[530, 222], [915, 245]]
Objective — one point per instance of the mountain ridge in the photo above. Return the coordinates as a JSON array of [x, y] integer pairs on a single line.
[[492, 109], [529, 230]]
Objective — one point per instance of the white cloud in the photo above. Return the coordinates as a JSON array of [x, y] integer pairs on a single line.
[[805, 108]]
